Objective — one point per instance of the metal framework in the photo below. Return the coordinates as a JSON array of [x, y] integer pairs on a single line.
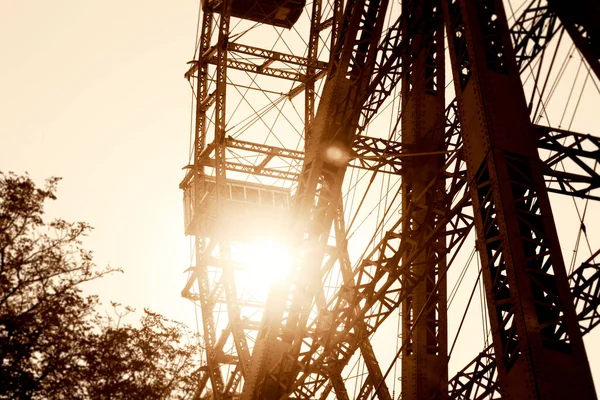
[[424, 359], [478, 166]]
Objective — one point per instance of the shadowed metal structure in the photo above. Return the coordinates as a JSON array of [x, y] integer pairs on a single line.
[[330, 128]]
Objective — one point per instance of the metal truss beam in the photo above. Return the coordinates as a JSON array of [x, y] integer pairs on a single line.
[[536, 339], [338, 386], [585, 286], [479, 379], [339, 354], [204, 248], [200, 275], [262, 70], [376, 378], [532, 31], [234, 315], [387, 72], [572, 163], [255, 170], [225, 55], [374, 154], [580, 19], [561, 151], [273, 56], [209, 331], [312, 56], [369, 153], [365, 390], [225, 359], [424, 318], [262, 59]]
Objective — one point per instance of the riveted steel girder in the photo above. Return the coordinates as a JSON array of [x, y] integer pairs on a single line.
[[537, 341]]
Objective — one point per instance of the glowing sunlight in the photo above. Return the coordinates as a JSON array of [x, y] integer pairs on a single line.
[[262, 263]]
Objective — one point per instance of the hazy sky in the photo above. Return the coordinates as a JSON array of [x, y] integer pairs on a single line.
[[93, 91]]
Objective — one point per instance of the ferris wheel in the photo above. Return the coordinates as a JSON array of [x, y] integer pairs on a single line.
[[395, 199]]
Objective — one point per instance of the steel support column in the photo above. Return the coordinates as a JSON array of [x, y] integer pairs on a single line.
[[478, 380], [537, 341], [202, 247], [424, 359]]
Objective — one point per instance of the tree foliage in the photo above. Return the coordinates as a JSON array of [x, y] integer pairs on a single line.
[[53, 342]]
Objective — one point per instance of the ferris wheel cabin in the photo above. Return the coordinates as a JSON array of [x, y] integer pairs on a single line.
[[249, 210], [282, 13]]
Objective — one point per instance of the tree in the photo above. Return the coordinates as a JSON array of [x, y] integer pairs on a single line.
[[53, 342], [153, 361]]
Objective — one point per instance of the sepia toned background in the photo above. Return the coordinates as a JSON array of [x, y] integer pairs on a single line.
[[93, 91]]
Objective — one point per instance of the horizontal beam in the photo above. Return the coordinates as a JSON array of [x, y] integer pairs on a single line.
[[261, 70], [373, 154], [262, 67], [370, 152], [577, 153], [264, 149], [571, 160], [270, 55]]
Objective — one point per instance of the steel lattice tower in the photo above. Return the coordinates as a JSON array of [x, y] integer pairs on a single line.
[[290, 139]]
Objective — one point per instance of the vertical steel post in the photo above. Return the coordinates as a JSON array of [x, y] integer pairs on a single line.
[[537, 340], [201, 245], [424, 359]]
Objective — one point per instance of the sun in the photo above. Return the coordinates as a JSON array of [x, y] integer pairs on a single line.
[[261, 263]]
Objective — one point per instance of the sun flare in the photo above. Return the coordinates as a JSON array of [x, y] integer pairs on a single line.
[[262, 263]]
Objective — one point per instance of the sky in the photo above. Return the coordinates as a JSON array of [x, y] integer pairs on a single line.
[[93, 92]]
